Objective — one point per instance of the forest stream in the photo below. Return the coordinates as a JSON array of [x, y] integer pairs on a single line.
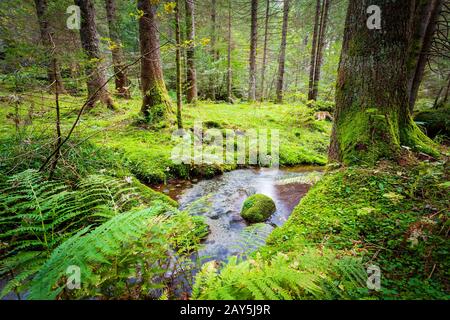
[[220, 200]]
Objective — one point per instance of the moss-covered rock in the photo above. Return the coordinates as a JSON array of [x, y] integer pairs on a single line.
[[436, 122], [258, 208]]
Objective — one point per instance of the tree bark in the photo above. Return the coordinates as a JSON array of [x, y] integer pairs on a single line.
[[253, 46], [266, 38], [156, 105], [214, 53], [312, 66], [53, 72], [282, 60], [191, 94], [95, 72], [229, 70], [178, 63], [121, 79], [373, 119], [425, 20], [320, 46]]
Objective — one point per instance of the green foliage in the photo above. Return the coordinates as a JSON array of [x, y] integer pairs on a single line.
[[394, 217], [127, 257], [37, 215], [313, 275], [257, 208]]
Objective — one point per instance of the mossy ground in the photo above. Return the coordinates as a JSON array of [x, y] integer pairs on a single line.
[[392, 216], [118, 142]]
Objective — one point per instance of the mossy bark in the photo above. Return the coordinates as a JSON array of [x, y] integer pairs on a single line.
[[373, 119], [156, 105]]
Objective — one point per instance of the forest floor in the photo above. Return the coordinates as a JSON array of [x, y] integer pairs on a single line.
[[394, 216], [115, 143]]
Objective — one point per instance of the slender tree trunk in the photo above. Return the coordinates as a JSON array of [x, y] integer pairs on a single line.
[[373, 119], [229, 70], [95, 72], [253, 45], [47, 42], [58, 121], [266, 38], [320, 46], [156, 105], [425, 21], [312, 66], [281, 63], [178, 62], [214, 52], [192, 94], [121, 79]]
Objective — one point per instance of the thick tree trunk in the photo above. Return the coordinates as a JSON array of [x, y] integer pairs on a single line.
[[282, 59], [312, 66], [191, 94], [253, 45], [320, 46], [373, 119], [156, 105], [54, 76], [426, 14], [121, 79], [96, 77], [266, 38], [229, 70], [178, 63]]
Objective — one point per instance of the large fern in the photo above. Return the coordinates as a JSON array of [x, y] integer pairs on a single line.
[[129, 256], [281, 277], [36, 215]]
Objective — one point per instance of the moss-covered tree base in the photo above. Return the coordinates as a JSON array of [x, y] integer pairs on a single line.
[[364, 137], [156, 105]]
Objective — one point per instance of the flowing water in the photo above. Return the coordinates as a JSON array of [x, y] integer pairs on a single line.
[[220, 200]]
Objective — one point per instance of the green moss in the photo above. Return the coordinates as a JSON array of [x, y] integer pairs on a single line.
[[366, 137], [149, 195], [135, 147], [257, 208], [436, 122], [157, 106], [390, 216], [413, 137]]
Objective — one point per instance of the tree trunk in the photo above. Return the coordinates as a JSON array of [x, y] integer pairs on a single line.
[[266, 38], [425, 21], [282, 59], [373, 119], [320, 46], [156, 105], [312, 66], [253, 45], [229, 70], [121, 79], [178, 62], [54, 76], [214, 53], [95, 73], [191, 94]]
